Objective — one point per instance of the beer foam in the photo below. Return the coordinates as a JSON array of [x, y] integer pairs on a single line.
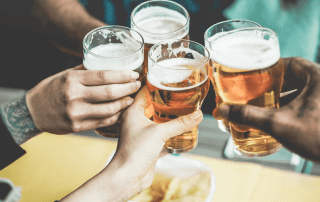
[[176, 71], [240, 51], [112, 61], [159, 23]]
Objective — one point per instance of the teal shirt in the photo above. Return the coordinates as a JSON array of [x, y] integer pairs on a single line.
[[297, 28]]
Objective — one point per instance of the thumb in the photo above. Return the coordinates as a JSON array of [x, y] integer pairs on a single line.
[[249, 115], [181, 125]]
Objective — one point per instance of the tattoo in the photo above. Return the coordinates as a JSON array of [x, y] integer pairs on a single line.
[[18, 120]]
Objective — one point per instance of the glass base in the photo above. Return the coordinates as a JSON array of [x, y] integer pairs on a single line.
[[249, 154], [182, 150]]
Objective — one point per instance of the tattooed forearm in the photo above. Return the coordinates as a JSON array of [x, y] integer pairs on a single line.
[[17, 118]]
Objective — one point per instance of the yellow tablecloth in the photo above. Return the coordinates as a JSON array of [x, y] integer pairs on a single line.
[[56, 165]]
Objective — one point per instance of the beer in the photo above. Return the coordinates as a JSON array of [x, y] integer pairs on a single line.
[[113, 48], [178, 82], [211, 34], [248, 70], [157, 21]]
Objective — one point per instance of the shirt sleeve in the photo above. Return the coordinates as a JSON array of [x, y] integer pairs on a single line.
[[9, 149]]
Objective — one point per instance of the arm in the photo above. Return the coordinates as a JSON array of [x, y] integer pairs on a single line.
[[139, 146], [16, 117], [67, 22], [9, 149]]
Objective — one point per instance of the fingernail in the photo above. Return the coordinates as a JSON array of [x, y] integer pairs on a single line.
[[130, 101], [138, 84], [134, 76], [195, 115], [223, 111]]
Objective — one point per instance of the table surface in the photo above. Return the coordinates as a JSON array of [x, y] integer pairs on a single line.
[[56, 165]]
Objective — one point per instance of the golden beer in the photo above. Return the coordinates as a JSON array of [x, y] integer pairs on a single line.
[[113, 48], [210, 34], [248, 70], [172, 100], [157, 21], [178, 82]]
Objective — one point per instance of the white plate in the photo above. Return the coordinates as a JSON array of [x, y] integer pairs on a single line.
[[176, 166]]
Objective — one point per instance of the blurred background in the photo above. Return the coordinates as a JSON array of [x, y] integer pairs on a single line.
[[29, 56]]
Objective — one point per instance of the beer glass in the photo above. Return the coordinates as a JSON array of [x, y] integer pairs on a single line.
[[158, 21], [211, 33], [113, 48], [177, 81], [248, 70]]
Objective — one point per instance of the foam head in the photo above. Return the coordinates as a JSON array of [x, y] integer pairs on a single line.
[[160, 23], [244, 51], [174, 70]]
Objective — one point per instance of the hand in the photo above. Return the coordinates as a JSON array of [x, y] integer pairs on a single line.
[[139, 146], [77, 100], [296, 124], [141, 141]]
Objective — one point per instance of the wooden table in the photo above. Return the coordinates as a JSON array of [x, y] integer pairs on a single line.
[[56, 165]]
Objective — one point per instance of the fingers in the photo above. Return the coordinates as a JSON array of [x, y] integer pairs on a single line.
[[103, 77], [103, 110], [180, 125], [91, 124], [258, 117], [110, 92]]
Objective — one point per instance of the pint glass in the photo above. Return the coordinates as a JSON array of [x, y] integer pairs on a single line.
[[248, 70], [157, 21], [177, 81], [211, 33], [113, 48]]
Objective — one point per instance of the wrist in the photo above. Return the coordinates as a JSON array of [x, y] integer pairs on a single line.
[[113, 184], [120, 176]]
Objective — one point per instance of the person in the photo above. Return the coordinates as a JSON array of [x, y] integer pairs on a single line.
[[285, 19], [296, 123], [139, 146], [75, 99]]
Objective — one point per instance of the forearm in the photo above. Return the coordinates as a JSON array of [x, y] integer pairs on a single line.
[[113, 184], [66, 20], [16, 117]]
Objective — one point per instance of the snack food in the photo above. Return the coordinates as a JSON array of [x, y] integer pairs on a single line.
[[173, 189]]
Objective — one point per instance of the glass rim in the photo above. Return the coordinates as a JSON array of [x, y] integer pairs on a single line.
[[188, 17], [112, 26], [206, 57], [244, 29], [226, 21]]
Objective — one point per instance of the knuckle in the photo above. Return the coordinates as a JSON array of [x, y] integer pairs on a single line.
[[183, 120], [76, 127], [68, 77], [67, 96], [100, 123], [73, 113], [111, 109], [123, 103], [102, 75], [110, 92]]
